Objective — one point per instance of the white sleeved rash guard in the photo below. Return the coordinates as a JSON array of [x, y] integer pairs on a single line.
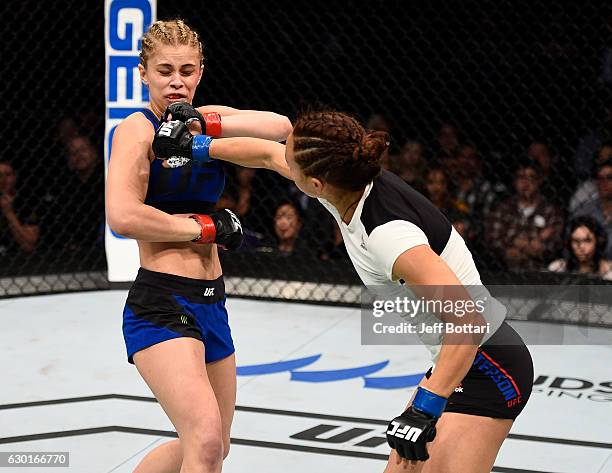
[[392, 217]]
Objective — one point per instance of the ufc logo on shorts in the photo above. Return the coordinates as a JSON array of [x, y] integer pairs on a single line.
[[209, 291], [166, 129], [406, 432]]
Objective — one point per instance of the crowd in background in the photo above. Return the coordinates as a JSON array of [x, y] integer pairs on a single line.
[[527, 213], [58, 218]]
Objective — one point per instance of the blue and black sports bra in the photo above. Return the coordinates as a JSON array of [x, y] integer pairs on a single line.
[[188, 189]]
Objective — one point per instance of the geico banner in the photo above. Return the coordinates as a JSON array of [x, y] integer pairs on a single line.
[[125, 23]]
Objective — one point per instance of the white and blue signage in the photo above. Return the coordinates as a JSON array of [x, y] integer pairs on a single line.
[[126, 22]]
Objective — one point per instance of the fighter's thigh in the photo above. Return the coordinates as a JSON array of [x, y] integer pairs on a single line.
[[222, 376], [176, 374], [466, 444]]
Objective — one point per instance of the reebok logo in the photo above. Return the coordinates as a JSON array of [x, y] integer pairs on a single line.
[[209, 291], [184, 319]]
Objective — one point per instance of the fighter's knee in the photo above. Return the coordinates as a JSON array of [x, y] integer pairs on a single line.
[[206, 447], [211, 453]]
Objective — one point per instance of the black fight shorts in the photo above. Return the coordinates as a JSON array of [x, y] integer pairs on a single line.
[[500, 380]]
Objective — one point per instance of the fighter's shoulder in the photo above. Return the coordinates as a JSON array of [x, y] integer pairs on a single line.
[[137, 125], [390, 199]]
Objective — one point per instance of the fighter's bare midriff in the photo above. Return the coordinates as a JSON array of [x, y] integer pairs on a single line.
[[181, 259]]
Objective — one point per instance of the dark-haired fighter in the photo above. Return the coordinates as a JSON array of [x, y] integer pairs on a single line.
[[397, 239]]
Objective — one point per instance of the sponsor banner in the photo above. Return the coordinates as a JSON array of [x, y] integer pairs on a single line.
[[572, 388], [125, 23]]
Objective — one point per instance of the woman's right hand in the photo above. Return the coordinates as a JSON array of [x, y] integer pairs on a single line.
[[174, 143], [221, 227]]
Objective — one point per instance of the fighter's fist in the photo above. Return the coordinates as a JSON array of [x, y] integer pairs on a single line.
[[186, 113], [222, 227], [173, 141]]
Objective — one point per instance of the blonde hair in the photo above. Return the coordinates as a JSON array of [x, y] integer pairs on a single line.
[[170, 32]]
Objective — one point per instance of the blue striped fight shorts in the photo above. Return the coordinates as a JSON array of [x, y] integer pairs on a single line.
[[163, 306]]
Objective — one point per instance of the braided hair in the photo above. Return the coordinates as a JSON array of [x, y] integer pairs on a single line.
[[334, 147]]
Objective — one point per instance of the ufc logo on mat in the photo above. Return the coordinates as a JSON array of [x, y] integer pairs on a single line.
[[209, 291], [406, 432]]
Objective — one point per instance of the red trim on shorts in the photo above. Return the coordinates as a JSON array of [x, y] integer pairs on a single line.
[[502, 370]]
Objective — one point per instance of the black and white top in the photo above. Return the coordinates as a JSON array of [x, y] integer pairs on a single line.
[[392, 217]]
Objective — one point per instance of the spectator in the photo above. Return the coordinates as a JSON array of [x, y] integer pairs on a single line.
[[318, 224], [600, 207], [248, 192], [19, 221], [386, 160], [462, 224], [437, 189], [287, 228], [588, 189], [524, 230], [475, 195], [589, 143], [447, 141], [473, 191], [66, 130], [238, 193], [410, 165], [585, 245], [244, 178], [78, 210], [69, 127], [556, 186], [540, 151], [237, 197], [336, 248], [380, 122], [466, 227]]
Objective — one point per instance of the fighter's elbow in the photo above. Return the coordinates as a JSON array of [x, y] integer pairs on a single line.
[[283, 128], [121, 223]]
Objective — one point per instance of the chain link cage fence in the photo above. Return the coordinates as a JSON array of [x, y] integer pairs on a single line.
[[499, 112]]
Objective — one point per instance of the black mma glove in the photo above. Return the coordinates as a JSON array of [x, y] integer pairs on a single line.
[[221, 227], [173, 140], [409, 433], [184, 112]]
